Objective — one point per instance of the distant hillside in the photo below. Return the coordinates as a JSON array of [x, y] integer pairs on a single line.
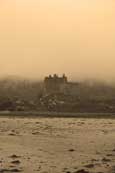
[[22, 88], [18, 94]]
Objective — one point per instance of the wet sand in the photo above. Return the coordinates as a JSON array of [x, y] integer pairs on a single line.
[[57, 145]]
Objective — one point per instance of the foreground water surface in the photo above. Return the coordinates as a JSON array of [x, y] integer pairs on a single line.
[[57, 145]]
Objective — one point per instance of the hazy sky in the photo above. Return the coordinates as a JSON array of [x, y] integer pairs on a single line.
[[76, 37]]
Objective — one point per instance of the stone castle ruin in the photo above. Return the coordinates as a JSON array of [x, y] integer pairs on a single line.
[[56, 84], [53, 84]]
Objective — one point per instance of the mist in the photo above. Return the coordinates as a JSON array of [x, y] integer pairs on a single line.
[[44, 37]]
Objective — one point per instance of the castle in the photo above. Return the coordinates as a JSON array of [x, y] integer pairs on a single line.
[[56, 84]]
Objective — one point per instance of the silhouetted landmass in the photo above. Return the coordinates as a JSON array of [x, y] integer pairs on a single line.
[[26, 95]]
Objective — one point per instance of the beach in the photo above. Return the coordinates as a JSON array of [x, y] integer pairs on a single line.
[[57, 145]]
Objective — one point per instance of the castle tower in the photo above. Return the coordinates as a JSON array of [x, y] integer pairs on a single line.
[[53, 84]]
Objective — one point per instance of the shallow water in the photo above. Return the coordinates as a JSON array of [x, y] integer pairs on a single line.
[[55, 145]]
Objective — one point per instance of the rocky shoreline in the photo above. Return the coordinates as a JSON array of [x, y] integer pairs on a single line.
[[57, 114]]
